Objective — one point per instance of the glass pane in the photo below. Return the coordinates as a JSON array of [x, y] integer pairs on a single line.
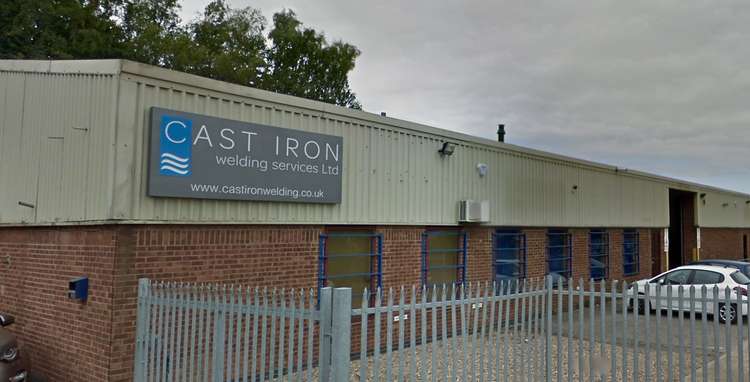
[[443, 253], [678, 277], [508, 255], [740, 278], [707, 277], [338, 269], [558, 253]]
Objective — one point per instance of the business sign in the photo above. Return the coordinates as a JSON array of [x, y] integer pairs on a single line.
[[197, 156]]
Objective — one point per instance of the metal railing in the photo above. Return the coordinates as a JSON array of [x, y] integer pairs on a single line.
[[528, 330]]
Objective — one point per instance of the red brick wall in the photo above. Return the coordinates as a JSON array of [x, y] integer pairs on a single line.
[[723, 243], [274, 256], [66, 340], [94, 341]]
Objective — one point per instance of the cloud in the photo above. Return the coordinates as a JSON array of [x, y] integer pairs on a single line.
[[656, 86]]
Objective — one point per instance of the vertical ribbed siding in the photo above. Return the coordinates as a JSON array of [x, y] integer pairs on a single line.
[[57, 135], [394, 176], [722, 210], [75, 146]]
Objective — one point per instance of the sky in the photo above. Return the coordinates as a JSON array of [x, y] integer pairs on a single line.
[[656, 86]]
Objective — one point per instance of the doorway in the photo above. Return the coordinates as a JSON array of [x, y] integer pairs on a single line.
[[682, 232], [744, 247]]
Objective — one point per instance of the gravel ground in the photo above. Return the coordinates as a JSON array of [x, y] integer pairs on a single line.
[[470, 360]]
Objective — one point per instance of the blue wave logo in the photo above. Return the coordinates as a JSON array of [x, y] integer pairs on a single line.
[[175, 146]]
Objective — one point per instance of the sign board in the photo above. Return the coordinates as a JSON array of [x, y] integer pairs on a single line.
[[666, 239], [698, 237], [197, 156]]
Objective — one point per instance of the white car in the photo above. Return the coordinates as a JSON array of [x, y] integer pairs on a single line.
[[697, 276]]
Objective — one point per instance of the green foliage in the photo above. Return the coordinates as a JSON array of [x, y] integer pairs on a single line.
[[57, 29], [301, 63], [227, 44], [223, 43]]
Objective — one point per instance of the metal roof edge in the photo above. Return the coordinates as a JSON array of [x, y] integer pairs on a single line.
[[116, 66], [107, 67]]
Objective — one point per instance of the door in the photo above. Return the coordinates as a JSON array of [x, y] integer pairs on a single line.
[[671, 281]]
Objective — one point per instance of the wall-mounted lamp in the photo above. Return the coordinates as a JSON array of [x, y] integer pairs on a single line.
[[482, 169], [703, 198], [447, 149], [725, 204], [747, 202]]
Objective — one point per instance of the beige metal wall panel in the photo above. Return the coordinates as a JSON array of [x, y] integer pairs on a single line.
[[391, 175], [723, 210], [74, 143], [57, 133]]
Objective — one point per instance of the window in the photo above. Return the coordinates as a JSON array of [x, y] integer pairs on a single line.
[[559, 255], [740, 278], [444, 257], [707, 277], [509, 249], [630, 252], [598, 254], [680, 277], [351, 259]]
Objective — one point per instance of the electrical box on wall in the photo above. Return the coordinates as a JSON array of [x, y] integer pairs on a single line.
[[474, 211], [78, 289]]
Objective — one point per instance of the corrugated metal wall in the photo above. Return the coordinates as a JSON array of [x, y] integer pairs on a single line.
[[75, 146], [56, 135], [391, 175], [722, 210]]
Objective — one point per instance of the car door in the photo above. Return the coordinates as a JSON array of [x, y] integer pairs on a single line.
[[673, 281], [709, 280]]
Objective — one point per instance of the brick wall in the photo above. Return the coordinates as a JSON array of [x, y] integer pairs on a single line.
[[66, 340], [274, 256], [95, 341], [723, 243]]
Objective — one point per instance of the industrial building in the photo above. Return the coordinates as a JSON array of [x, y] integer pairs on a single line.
[[112, 170]]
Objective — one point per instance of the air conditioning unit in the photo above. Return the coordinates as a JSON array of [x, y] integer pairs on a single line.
[[474, 211]]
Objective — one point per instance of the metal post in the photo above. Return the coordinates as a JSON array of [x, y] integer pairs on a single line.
[[141, 328], [341, 325], [326, 309], [548, 330]]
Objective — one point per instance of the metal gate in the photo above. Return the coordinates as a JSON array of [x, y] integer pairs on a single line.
[[190, 332], [527, 330]]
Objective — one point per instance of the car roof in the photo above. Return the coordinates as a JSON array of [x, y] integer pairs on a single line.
[[723, 270], [723, 262]]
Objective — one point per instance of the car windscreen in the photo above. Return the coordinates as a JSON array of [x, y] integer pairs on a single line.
[[740, 278]]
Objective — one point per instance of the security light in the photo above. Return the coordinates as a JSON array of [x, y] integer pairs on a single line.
[[447, 149]]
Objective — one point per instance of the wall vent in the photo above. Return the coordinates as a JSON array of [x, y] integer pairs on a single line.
[[474, 211]]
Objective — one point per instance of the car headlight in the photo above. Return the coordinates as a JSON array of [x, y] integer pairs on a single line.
[[10, 354]]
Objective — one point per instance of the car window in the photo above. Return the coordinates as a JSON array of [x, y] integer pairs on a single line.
[[707, 277], [740, 278], [678, 277]]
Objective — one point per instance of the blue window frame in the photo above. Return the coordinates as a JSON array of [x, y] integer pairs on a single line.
[[444, 257], [630, 252], [598, 254], [559, 255], [351, 259], [509, 252]]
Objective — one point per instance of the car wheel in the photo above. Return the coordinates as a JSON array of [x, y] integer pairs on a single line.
[[727, 313], [643, 305]]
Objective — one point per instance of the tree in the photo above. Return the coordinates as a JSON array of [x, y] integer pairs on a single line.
[[226, 44], [54, 29], [151, 29], [223, 43], [303, 64]]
